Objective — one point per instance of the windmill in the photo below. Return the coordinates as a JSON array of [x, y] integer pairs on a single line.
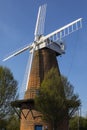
[[51, 41], [43, 51]]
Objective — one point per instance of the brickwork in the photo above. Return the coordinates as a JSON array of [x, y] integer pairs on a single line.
[[43, 61]]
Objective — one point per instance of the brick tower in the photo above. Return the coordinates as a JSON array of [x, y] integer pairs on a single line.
[[43, 60]]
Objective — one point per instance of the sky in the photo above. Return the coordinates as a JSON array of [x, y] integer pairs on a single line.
[[17, 25]]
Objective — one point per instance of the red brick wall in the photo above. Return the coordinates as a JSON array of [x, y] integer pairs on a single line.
[[43, 61]]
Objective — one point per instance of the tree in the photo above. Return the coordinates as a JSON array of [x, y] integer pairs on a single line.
[[13, 123], [3, 124], [72, 99], [78, 123], [53, 99], [8, 89]]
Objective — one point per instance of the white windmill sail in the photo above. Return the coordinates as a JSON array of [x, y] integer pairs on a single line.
[[27, 73], [39, 29], [63, 31], [18, 51], [53, 39]]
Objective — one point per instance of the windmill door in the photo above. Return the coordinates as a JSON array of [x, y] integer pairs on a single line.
[[38, 127]]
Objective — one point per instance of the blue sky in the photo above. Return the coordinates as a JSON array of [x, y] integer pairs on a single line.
[[17, 24]]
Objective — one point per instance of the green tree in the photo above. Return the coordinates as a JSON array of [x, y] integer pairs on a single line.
[[8, 90], [3, 124], [13, 123], [78, 123], [72, 99], [53, 99]]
